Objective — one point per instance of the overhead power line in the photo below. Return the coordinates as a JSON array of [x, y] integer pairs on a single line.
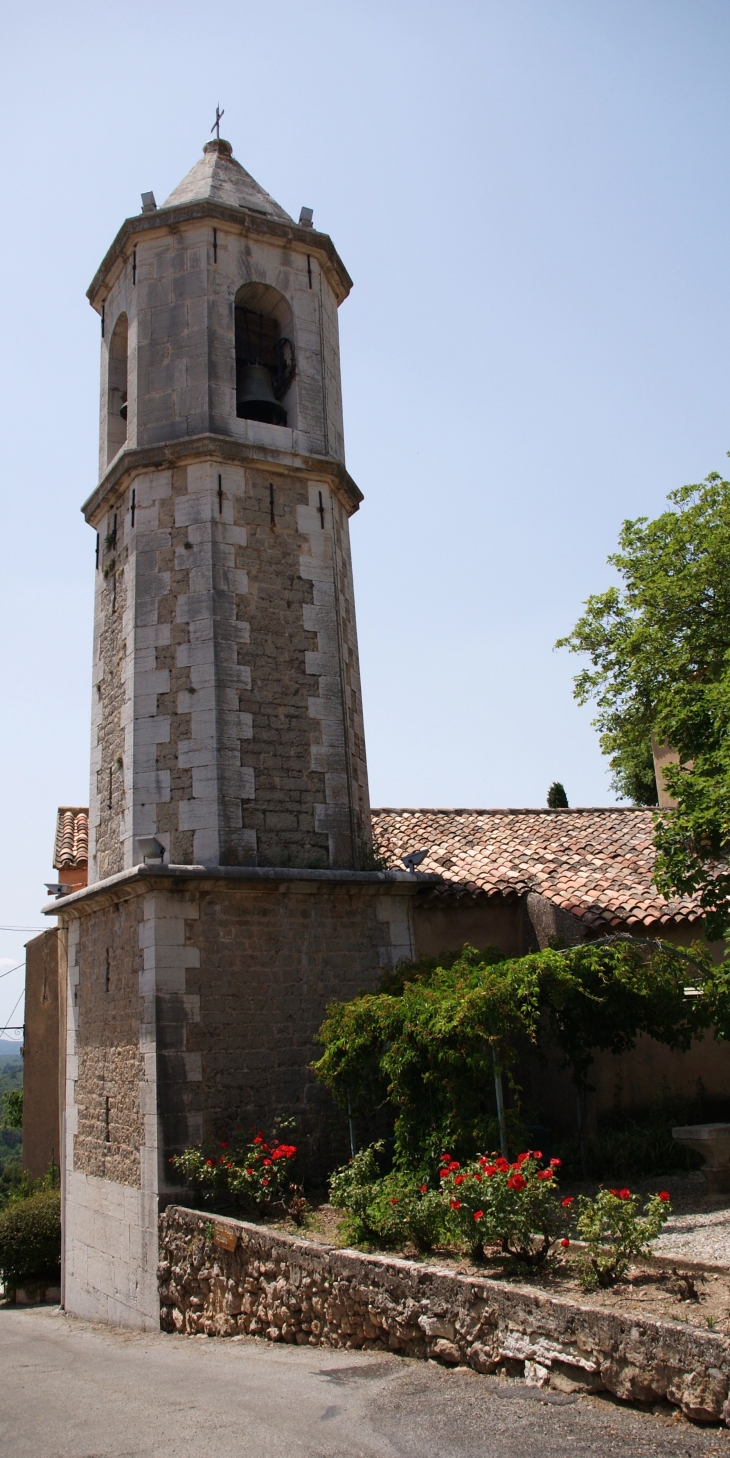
[[16, 968]]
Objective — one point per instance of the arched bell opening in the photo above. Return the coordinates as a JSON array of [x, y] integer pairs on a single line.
[[265, 359], [117, 388]]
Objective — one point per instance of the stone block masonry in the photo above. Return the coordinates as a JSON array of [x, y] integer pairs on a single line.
[[225, 1277], [194, 1001], [227, 714]]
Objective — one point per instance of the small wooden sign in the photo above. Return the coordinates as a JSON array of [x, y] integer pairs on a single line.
[[224, 1237]]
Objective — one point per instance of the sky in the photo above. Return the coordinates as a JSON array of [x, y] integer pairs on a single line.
[[532, 199]]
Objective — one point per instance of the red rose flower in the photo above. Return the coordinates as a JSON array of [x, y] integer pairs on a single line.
[[445, 1158], [568, 1200], [459, 1180], [522, 1157], [456, 1204], [664, 1194], [556, 1163], [210, 1163], [478, 1214], [517, 1183], [394, 1200], [490, 1169], [544, 1174], [624, 1194], [423, 1189], [249, 1171], [565, 1242], [614, 1192], [264, 1182], [502, 1165], [537, 1154], [267, 1161], [257, 1140], [454, 1164], [478, 1177]]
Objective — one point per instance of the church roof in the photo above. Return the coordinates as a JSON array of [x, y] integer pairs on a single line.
[[597, 864], [72, 837], [218, 177]]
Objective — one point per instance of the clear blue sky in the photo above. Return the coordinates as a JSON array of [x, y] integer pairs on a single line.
[[532, 199]]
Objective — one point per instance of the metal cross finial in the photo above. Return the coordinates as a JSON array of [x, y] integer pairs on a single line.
[[216, 127]]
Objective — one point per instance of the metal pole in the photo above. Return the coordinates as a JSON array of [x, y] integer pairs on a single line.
[[500, 1103], [351, 1122]]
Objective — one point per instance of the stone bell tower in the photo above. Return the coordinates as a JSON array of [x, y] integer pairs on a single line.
[[227, 718], [231, 893]]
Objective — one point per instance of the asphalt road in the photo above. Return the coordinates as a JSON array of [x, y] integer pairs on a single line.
[[70, 1389]]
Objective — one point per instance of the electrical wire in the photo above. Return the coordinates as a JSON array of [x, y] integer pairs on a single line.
[[24, 928], [12, 969]]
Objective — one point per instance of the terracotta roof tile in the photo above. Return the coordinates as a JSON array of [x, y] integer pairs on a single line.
[[72, 837], [596, 863]]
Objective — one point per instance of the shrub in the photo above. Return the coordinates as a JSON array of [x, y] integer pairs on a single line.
[[30, 1239], [253, 1172], [516, 1206], [615, 1233], [390, 1210]]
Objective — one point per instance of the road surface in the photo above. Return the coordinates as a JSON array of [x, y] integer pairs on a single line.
[[72, 1389]]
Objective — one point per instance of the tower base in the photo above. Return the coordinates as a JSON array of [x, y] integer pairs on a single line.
[[194, 999]]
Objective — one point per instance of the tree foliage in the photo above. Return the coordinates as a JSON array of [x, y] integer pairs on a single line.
[[11, 1109], [659, 647], [556, 796], [424, 1047]]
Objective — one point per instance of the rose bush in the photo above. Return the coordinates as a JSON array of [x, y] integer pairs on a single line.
[[254, 1171], [615, 1233], [396, 1209], [515, 1206]]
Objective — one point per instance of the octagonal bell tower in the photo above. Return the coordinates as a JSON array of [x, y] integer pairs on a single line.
[[227, 715]]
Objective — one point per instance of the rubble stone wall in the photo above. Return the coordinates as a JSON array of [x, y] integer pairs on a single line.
[[224, 1277]]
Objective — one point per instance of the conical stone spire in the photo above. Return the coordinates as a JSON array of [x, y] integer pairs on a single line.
[[218, 177]]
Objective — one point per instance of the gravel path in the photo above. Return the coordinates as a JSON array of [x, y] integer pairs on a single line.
[[702, 1236]]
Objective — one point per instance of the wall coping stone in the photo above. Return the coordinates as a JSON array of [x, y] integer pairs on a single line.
[[287, 1288]]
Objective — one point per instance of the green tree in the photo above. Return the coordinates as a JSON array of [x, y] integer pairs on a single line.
[[424, 1047], [556, 796], [659, 650], [11, 1109]]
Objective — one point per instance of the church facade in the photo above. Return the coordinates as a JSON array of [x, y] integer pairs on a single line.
[[221, 889]]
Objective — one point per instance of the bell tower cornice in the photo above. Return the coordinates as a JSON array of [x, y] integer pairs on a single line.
[[190, 450], [242, 221]]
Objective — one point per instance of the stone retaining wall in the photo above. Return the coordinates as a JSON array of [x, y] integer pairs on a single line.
[[224, 1277]]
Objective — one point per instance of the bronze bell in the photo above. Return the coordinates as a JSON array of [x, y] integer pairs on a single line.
[[255, 398]]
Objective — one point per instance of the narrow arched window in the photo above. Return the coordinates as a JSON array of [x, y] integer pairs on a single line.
[[265, 366], [116, 430]]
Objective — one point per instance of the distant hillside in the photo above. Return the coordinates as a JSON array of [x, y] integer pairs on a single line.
[[11, 1077]]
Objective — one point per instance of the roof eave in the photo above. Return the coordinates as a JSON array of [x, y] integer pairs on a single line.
[[305, 240]]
